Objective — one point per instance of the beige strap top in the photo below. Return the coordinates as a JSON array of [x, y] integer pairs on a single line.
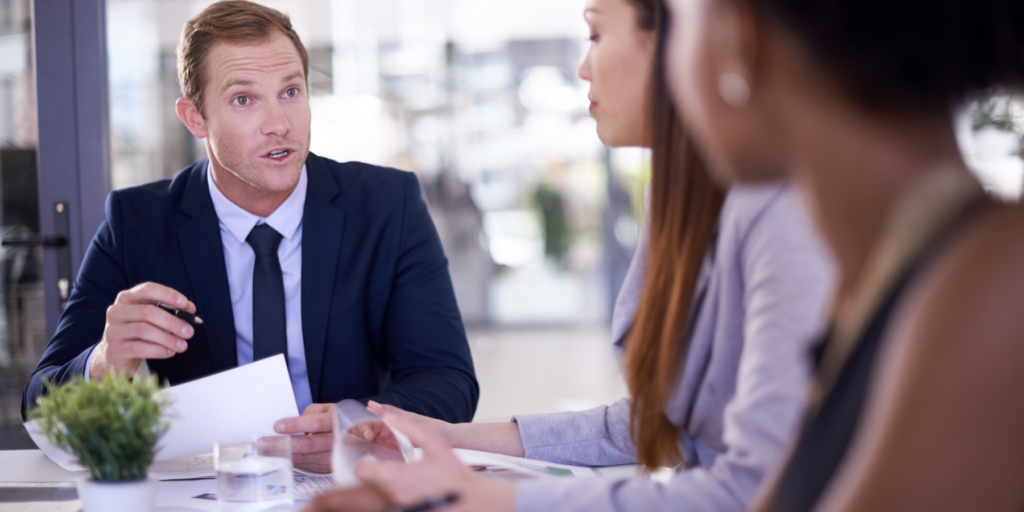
[[917, 221]]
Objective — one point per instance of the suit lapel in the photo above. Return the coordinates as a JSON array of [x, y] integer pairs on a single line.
[[322, 228], [203, 252]]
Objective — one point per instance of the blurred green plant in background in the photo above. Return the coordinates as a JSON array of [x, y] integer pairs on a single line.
[[557, 233], [112, 425], [999, 112]]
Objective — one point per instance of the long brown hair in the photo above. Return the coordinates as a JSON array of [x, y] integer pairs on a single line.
[[685, 206]]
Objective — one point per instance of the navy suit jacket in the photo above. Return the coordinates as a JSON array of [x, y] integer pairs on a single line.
[[379, 317]]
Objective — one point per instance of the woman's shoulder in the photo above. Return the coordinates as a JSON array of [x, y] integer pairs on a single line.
[[971, 282], [766, 231], [774, 207], [964, 305], [951, 367]]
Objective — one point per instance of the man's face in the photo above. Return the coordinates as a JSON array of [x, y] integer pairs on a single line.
[[257, 114]]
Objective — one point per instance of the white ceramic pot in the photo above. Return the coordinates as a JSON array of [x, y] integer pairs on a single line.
[[117, 496]]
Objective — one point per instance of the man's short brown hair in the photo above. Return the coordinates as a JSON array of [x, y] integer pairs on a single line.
[[231, 21]]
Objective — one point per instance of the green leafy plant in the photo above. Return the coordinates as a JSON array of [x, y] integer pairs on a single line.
[[557, 234], [112, 425]]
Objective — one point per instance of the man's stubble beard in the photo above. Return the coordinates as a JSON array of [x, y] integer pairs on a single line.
[[251, 178]]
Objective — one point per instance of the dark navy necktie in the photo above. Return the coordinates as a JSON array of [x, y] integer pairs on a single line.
[[269, 328]]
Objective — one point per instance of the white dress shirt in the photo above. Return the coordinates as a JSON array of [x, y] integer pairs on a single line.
[[239, 258]]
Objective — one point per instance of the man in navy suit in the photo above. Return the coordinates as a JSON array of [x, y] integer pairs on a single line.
[[279, 251]]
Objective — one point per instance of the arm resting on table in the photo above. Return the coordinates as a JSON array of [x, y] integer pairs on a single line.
[[431, 367]]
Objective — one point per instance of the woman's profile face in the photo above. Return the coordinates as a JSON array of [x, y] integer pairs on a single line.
[[618, 67]]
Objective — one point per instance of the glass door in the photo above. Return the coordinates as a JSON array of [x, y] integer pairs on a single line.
[[53, 176], [22, 313]]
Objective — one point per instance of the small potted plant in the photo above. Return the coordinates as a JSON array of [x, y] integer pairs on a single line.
[[112, 426]]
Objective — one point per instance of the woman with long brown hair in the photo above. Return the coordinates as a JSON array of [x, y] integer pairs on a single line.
[[728, 296]]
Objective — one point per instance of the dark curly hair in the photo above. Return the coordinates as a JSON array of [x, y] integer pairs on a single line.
[[926, 53]]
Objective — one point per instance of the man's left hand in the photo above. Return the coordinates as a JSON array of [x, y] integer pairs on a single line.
[[311, 452]]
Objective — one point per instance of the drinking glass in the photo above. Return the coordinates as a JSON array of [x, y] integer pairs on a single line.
[[349, 448], [254, 476]]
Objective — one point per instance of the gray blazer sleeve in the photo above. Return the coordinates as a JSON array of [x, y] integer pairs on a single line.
[[597, 437], [788, 281]]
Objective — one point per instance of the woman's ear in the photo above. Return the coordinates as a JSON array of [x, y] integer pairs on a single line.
[[721, 70], [191, 117], [735, 51]]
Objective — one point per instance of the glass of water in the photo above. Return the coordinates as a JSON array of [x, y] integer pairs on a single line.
[[254, 476]]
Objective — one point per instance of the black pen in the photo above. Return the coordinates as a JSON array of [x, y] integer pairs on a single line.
[[433, 503], [180, 313]]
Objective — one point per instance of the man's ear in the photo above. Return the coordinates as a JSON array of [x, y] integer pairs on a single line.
[[190, 116]]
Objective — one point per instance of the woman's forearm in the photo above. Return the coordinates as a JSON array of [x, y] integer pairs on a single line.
[[500, 438]]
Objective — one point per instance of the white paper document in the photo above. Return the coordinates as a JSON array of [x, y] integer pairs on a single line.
[[229, 407], [61, 457], [308, 487], [186, 468], [201, 495], [508, 467], [513, 468], [22, 467]]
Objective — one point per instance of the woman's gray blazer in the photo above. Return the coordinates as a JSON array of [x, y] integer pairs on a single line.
[[766, 286]]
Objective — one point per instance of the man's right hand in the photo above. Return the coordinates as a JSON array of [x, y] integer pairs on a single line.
[[136, 330]]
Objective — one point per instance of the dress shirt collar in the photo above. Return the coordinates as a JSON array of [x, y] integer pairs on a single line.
[[285, 219]]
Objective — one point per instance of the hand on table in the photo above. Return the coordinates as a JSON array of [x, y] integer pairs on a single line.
[[310, 452], [136, 330], [378, 432], [439, 473], [502, 437]]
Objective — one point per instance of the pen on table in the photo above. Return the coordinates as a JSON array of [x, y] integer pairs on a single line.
[[180, 313], [431, 504]]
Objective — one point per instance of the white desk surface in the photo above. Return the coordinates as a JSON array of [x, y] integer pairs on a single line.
[[31, 466]]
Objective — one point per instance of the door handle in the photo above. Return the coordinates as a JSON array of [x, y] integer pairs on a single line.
[[59, 241], [35, 241]]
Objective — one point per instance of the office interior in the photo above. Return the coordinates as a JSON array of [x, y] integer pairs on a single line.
[[480, 99]]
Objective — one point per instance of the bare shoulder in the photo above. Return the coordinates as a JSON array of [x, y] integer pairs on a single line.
[[960, 332], [941, 427], [976, 287]]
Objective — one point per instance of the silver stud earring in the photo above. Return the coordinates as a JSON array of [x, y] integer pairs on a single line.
[[734, 89]]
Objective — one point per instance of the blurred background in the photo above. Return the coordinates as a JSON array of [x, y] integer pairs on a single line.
[[480, 99]]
